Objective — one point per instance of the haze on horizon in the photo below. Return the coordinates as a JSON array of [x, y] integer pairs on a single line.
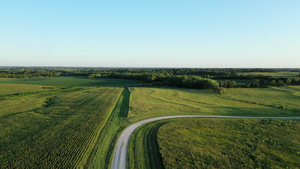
[[233, 33]]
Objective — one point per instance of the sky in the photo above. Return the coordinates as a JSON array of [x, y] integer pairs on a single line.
[[156, 33]]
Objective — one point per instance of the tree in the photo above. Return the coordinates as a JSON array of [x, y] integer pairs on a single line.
[[280, 83], [272, 83]]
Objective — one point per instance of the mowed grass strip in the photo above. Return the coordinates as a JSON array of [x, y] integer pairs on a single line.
[[143, 150], [153, 102], [230, 143], [59, 135]]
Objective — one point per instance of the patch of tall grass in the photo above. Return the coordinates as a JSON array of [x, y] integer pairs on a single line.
[[230, 143]]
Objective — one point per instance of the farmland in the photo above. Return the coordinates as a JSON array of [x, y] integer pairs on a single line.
[[71, 82], [58, 131], [229, 143], [151, 102], [74, 122], [216, 143]]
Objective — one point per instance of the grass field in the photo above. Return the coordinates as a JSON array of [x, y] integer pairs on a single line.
[[230, 143], [151, 102], [216, 143], [73, 122], [59, 130], [6, 89], [72, 81], [274, 74]]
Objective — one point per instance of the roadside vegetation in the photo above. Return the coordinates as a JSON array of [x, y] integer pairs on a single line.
[[143, 150], [102, 153]]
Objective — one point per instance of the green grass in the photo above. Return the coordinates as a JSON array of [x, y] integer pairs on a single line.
[[152, 102], [70, 122], [230, 143], [102, 153], [274, 74], [59, 131], [143, 151], [73, 81], [6, 89], [15, 106]]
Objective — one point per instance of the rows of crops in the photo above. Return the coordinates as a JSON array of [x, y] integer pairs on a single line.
[[60, 134]]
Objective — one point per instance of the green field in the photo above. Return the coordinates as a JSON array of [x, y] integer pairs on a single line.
[[74, 122], [58, 131], [274, 74], [72, 81], [216, 143], [102, 153], [7, 89], [230, 143], [151, 102]]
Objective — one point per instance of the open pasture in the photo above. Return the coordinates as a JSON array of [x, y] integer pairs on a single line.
[[151, 102], [229, 143], [216, 143]]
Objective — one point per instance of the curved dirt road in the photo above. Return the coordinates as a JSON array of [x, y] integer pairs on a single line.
[[120, 153]]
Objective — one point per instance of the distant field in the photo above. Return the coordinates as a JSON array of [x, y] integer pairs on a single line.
[[72, 81], [277, 101], [20, 88], [274, 74], [56, 130], [229, 143]]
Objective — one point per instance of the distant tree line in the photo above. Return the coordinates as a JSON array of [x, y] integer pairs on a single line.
[[27, 73], [196, 78], [273, 82]]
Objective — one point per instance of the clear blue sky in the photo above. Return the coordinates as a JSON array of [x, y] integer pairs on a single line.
[[156, 33]]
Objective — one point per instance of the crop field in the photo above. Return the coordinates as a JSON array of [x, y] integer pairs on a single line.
[[274, 74], [54, 130], [151, 102], [102, 153], [73, 81], [74, 122], [230, 143]]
